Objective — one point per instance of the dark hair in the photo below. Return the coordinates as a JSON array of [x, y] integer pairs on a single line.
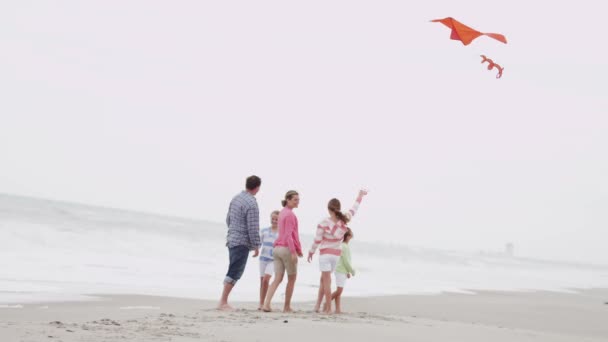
[[253, 182], [335, 206], [348, 233], [289, 195]]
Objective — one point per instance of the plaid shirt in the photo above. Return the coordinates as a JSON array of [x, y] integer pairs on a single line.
[[243, 222]]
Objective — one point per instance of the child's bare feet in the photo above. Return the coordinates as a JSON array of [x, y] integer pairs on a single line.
[[266, 309], [225, 307], [288, 310]]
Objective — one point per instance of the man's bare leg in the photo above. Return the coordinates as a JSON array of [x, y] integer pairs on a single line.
[[224, 300]]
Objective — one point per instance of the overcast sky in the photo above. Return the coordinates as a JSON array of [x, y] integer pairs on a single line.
[[166, 107]]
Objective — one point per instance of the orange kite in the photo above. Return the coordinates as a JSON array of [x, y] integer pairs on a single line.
[[492, 65], [464, 33]]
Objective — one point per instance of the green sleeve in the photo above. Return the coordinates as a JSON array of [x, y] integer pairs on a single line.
[[346, 260]]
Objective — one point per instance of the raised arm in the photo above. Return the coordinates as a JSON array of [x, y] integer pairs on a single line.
[[355, 207]]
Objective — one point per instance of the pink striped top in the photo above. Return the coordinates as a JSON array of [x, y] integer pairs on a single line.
[[329, 235]]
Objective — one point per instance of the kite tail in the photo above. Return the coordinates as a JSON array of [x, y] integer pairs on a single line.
[[500, 69]]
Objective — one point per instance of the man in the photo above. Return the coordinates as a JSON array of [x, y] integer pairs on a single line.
[[243, 222]]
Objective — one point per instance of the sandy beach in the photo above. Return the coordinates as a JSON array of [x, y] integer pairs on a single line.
[[483, 316]]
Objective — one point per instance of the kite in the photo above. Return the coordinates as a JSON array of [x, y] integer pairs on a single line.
[[492, 65], [466, 34]]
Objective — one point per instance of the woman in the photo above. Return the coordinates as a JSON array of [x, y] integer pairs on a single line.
[[328, 239], [287, 249]]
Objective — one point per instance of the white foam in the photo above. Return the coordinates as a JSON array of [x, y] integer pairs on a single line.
[[5, 306]]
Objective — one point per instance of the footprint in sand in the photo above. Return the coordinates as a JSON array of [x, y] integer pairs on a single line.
[[107, 321], [57, 324]]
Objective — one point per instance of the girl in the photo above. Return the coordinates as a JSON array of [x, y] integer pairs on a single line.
[[344, 270], [328, 238], [267, 237]]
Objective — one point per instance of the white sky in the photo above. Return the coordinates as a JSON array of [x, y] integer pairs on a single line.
[[167, 106]]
